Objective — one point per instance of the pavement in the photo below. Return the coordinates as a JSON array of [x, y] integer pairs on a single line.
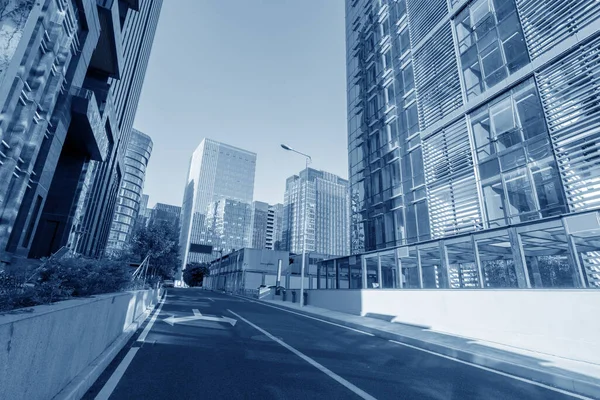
[[207, 345]]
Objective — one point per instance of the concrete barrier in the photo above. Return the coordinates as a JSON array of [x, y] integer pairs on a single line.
[[44, 351], [562, 323]]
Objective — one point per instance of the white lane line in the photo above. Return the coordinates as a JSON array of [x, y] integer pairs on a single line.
[[210, 299], [361, 393], [114, 379], [316, 319], [575, 395], [146, 330]]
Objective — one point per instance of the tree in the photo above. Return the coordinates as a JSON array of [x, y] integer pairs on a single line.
[[161, 242], [194, 273]]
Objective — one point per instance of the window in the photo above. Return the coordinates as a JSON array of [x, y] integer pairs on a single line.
[[519, 177], [491, 44], [386, 59], [408, 78]]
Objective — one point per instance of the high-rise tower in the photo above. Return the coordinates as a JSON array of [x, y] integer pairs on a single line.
[[129, 201], [325, 197], [217, 200]]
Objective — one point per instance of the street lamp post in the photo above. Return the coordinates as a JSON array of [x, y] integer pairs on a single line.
[[305, 226]]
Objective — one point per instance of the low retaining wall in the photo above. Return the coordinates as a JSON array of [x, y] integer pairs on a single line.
[[42, 351], [563, 323]]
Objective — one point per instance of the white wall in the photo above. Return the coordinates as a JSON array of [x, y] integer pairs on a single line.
[[348, 301], [564, 323], [42, 351]]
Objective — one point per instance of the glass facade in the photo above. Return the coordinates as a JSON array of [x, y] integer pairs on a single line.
[[472, 158], [217, 200], [127, 210], [325, 197], [266, 224]]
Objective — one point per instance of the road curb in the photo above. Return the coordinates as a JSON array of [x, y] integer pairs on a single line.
[[581, 387], [79, 386]]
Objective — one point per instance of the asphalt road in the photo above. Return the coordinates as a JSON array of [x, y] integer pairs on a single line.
[[275, 354]]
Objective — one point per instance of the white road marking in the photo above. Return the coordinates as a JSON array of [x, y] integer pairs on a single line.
[[146, 330], [114, 379], [308, 316], [210, 299], [575, 395], [361, 393]]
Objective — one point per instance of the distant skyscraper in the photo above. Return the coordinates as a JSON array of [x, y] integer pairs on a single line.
[[266, 225], [165, 213], [220, 182], [130, 194], [144, 214], [275, 227], [258, 224], [327, 213]]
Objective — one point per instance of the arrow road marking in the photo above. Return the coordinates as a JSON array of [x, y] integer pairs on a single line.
[[198, 316]]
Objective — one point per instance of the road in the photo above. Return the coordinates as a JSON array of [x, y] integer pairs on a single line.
[[264, 352]]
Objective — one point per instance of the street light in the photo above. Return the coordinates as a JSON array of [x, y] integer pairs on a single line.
[[304, 231]]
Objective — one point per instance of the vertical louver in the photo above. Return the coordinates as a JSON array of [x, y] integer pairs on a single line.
[[570, 91], [548, 22], [451, 185], [436, 78]]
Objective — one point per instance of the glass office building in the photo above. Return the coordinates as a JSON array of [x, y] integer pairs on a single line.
[[217, 199], [473, 131], [266, 223], [129, 201], [325, 197]]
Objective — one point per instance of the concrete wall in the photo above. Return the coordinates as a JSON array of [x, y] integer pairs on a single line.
[[564, 323], [42, 351]]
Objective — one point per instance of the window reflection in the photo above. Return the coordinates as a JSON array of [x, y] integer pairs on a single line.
[[434, 276], [410, 270], [497, 262], [462, 270], [355, 274], [588, 251], [519, 177], [547, 257], [343, 273], [331, 275], [372, 271], [491, 43], [389, 270]]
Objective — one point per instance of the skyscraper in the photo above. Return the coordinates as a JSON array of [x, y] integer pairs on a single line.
[[59, 59], [165, 213], [266, 225], [216, 202], [122, 96], [472, 140], [325, 197], [143, 214], [129, 200]]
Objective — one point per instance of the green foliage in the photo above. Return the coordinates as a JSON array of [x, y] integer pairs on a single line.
[[60, 279], [194, 273], [82, 277], [161, 242]]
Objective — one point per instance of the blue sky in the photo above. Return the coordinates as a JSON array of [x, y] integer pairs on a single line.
[[252, 74]]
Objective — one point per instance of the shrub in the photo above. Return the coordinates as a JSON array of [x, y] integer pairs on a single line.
[[60, 279], [81, 276], [195, 273]]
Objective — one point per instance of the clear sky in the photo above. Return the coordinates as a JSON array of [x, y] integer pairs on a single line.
[[252, 74]]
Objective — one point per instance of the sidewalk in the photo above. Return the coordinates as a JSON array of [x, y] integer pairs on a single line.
[[574, 376]]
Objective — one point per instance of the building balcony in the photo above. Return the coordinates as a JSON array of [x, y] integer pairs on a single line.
[[87, 122], [108, 55]]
